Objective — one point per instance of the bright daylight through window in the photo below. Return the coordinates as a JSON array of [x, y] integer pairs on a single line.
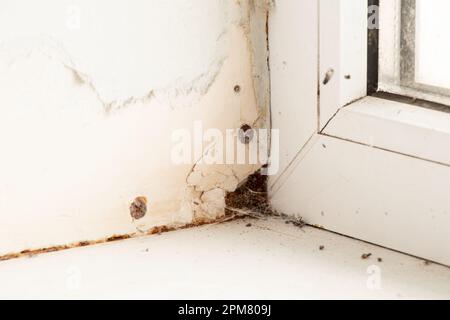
[[414, 49]]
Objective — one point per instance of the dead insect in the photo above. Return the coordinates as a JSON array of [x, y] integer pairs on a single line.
[[138, 208], [322, 248], [249, 225], [366, 256], [328, 76], [380, 260], [348, 77], [237, 88]]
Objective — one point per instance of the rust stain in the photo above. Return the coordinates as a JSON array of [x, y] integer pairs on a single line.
[[115, 238], [251, 196], [118, 238]]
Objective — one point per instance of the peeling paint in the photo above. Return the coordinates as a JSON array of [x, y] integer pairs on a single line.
[[252, 20], [255, 24], [115, 148], [210, 185], [186, 93]]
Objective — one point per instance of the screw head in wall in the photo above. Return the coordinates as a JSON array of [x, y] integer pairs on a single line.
[[138, 208]]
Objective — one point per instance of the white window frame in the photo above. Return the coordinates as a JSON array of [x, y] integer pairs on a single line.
[[372, 168]]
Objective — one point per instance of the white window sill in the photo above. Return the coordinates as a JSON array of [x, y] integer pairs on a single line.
[[268, 260], [394, 126]]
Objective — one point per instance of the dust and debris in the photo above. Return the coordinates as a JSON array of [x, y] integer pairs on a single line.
[[251, 201], [366, 256], [297, 222], [251, 198]]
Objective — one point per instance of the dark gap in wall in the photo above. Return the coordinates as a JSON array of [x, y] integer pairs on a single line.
[[251, 197], [373, 35]]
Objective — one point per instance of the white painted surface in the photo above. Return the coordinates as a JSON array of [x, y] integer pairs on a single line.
[[379, 196], [87, 111], [389, 43], [343, 55], [135, 48], [270, 260], [293, 41], [350, 184], [394, 126]]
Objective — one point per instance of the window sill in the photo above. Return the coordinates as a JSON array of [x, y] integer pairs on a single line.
[[267, 260], [394, 126]]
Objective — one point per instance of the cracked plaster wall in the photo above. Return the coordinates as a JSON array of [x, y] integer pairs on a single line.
[[88, 109]]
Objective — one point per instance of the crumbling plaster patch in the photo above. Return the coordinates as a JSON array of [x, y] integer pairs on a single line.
[[209, 185], [93, 155]]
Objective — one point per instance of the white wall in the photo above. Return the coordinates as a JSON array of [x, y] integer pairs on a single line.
[[90, 94]]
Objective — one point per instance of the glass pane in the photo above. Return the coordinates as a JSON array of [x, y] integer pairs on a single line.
[[432, 47], [414, 49]]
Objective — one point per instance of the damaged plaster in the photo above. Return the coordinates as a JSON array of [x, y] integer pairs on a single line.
[[184, 90], [178, 93], [209, 185], [96, 145]]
